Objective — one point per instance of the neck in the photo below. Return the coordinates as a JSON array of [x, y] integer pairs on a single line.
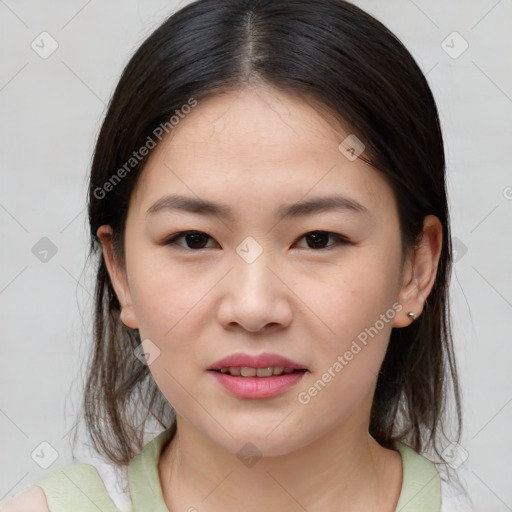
[[344, 470]]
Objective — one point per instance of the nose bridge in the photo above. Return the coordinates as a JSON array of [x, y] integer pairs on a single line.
[[254, 295], [250, 267]]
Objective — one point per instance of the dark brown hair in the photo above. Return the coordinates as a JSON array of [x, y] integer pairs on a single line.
[[332, 53]]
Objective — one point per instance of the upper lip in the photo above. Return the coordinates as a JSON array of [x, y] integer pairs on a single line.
[[255, 361]]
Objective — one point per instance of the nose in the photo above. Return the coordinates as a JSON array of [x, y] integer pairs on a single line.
[[255, 297]]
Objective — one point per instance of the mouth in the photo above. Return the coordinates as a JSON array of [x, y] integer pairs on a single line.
[[261, 365], [268, 371], [257, 376]]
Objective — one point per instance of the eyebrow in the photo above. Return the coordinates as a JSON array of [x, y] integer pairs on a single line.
[[299, 209]]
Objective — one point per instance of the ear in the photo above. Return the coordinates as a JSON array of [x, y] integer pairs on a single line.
[[419, 271], [118, 277]]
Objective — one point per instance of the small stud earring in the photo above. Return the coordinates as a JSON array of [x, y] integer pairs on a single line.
[[411, 315]]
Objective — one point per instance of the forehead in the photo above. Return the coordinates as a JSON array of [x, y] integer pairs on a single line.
[[259, 115], [258, 145]]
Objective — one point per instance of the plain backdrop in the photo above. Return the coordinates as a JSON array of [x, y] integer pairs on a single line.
[[51, 107]]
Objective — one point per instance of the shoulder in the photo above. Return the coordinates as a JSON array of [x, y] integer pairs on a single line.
[[30, 500], [86, 483], [66, 488], [437, 478]]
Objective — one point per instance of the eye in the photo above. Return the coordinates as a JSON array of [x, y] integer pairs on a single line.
[[319, 238], [196, 240]]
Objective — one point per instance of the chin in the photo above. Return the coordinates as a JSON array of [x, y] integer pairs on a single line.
[[254, 440]]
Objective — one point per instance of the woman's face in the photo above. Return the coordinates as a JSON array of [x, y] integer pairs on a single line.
[[255, 281]]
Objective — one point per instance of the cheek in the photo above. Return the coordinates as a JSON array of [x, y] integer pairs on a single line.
[[353, 316], [357, 314], [352, 297], [168, 304], [164, 296]]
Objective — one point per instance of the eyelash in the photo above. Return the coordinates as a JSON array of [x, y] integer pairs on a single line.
[[340, 239]]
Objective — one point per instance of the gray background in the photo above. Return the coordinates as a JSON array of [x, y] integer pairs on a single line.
[[50, 110]]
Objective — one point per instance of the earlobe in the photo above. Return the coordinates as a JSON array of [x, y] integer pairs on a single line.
[[420, 271], [117, 277]]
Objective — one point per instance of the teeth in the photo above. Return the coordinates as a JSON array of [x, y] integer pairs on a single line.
[[246, 371], [263, 372]]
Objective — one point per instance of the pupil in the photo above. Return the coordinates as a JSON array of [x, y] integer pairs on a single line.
[[195, 238], [319, 238]]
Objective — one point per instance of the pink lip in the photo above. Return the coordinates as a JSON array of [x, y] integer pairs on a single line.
[[257, 387], [259, 361]]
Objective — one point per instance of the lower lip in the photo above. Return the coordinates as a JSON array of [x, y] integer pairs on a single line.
[[258, 387]]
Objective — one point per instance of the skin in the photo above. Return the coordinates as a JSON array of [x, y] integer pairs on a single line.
[[247, 148]]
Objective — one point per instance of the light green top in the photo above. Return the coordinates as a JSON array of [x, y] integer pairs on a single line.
[[79, 487]]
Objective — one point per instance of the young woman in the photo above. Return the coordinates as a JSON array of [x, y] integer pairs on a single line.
[[268, 211]]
